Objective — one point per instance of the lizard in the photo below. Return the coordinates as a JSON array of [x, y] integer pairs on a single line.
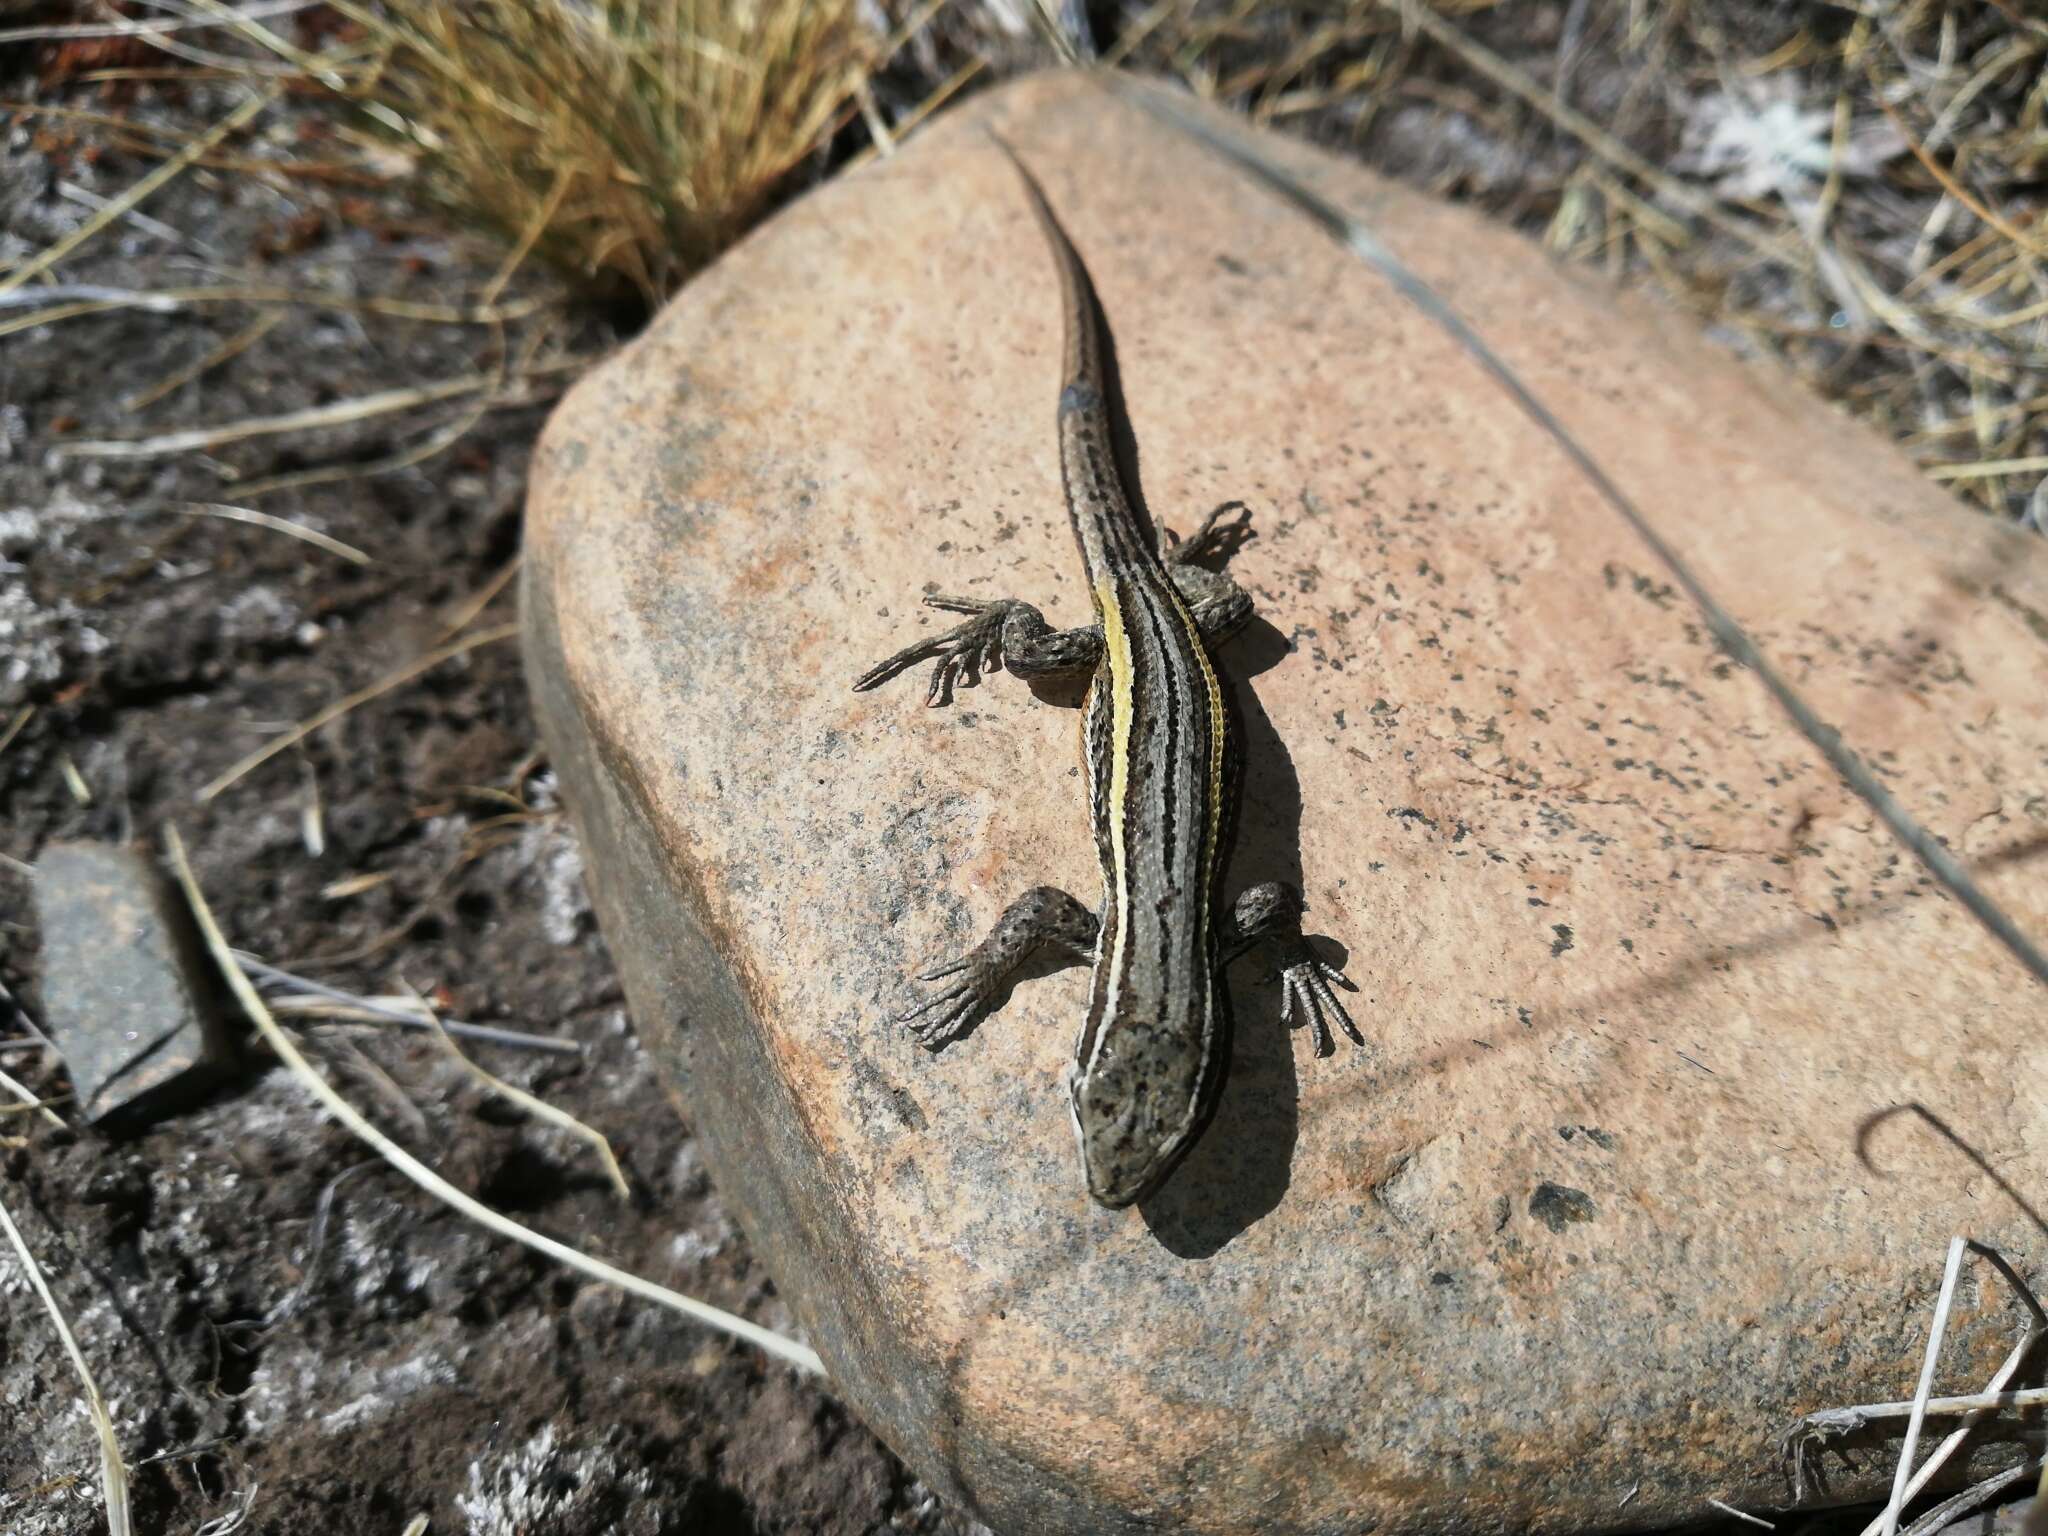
[[1162, 769]]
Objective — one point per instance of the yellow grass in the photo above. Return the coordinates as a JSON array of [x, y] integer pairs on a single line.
[[625, 142]]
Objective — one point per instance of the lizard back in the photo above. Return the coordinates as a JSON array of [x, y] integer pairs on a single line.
[[1150, 1058]]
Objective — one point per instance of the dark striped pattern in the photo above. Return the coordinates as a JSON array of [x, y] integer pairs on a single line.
[[1151, 1053]]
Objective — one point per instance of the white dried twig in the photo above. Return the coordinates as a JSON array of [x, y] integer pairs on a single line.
[[1889, 1524], [788, 1350], [1833, 1423], [233, 1519], [1730, 1509], [1843, 1421], [1978, 1493], [113, 1470], [1904, 1490], [539, 1108]]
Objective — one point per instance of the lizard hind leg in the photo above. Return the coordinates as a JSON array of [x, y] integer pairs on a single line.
[[1270, 914], [1043, 917]]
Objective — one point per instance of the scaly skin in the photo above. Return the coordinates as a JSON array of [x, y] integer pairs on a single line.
[[1149, 1065]]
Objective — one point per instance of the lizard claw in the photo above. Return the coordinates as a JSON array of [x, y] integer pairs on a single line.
[[958, 1014], [1307, 997], [963, 653], [942, 1017]]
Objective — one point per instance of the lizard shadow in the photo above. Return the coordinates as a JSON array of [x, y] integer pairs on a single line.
[[1239, 1171]]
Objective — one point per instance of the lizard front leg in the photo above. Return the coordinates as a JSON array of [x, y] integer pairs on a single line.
[[1043, 916], [1001, 633], [1219, 605], [1006, 633], [1270, 914]]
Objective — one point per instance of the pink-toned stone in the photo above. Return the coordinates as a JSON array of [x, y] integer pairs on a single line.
[[1615, 1197]]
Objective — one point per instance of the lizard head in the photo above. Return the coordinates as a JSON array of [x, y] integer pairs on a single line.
[[1133, 1126]]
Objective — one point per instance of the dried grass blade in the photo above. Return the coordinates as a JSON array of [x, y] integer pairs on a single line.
[[52, 254], [464, 613], [1987, 467], [234, 346], [318, 1000], [74, 781], [436, 442], [1941, 173], [543, 216], [113, 1470], [335, 711], [539, 1108], [28, 1097], [33, 1105], [77, 300], [64, 32], [134, 218], [249, 515], [22, 717], [338, 413], [775, 1344]]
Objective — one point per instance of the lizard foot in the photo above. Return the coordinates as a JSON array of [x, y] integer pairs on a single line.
[[1307, 997], [1043, 917], [1270, 914], [947, 1014], [963, 653]]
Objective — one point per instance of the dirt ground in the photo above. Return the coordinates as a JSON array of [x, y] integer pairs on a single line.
[[405, 1363], [344, 1375]]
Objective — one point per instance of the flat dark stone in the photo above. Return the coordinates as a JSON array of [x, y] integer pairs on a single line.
[[129, 995]]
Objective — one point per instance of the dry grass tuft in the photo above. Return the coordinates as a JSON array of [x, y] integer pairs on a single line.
[[624, 142]]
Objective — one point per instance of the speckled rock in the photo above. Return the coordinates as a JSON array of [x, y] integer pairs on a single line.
[[1616, 1195]]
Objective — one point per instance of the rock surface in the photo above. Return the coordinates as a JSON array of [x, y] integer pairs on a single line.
[[1622, 1188], [128, 990]]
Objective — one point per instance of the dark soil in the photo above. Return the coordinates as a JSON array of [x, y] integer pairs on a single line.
[[401, 1361], [394, 1360]]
